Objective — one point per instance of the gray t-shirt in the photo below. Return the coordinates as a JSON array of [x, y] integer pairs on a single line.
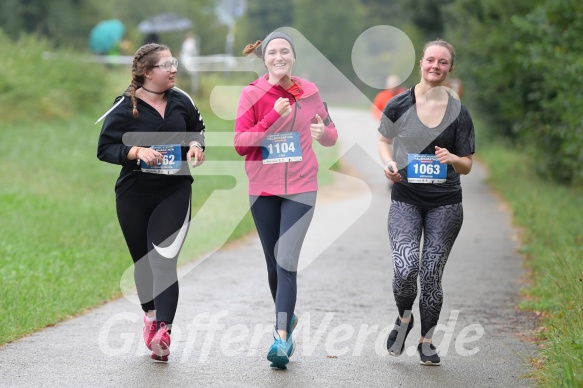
[[455, 132]]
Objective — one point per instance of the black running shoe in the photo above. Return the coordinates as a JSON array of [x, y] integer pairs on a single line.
[[428, 354], [397, 337]]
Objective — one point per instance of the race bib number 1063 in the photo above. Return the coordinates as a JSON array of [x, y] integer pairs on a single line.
[[425, 168]]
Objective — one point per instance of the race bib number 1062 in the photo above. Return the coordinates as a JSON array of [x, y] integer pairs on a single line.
[[171, 160]]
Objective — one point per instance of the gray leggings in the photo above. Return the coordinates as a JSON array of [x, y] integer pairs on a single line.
[[439, 227]]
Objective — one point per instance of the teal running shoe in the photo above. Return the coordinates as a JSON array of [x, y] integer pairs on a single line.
[[293, 324], [278, 353]]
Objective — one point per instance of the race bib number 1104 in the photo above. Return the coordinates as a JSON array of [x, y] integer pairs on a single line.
[[281, 147]]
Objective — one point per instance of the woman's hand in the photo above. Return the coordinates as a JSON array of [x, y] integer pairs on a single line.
[[461, 164], [195, 152], [149, 156], [317, 130], [282, 106], [385, 146], [392, 172], [444, 156]]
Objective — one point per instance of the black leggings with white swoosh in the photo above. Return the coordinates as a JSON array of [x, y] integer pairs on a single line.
[[154, 221]]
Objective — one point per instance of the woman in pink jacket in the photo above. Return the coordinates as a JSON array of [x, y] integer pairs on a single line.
[[278, 119]]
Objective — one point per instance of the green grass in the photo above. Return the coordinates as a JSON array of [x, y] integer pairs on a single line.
[[550, 217]]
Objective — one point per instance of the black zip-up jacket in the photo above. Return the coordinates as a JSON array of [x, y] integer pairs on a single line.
[[181, 124]]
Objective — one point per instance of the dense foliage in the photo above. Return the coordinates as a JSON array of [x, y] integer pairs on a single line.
[[523, 70], [68, 22], [40, 84], [520, 63]]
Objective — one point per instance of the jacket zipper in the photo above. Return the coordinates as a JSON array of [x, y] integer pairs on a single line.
[[296, 106]]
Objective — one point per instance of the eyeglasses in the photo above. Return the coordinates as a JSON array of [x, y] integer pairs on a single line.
[[168, 65]]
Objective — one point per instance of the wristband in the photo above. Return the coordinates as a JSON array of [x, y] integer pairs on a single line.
[[136, 152]]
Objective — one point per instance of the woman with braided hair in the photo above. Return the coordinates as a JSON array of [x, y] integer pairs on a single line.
[[151, 129]]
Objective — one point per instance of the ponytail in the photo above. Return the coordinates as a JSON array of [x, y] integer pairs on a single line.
[[253, 48]]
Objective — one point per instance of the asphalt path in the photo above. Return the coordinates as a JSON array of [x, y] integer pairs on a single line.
[[345, 305]]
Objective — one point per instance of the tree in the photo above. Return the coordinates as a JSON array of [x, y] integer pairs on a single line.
[[552, 55], [487, 62], [332, 26], [523, 66], [68, 22], [261, 18], [427, 15]]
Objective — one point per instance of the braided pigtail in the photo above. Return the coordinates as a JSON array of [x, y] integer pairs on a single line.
[[132, 92], [145, 58]]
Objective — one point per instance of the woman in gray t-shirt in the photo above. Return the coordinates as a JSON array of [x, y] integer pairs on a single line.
[[432, 135]]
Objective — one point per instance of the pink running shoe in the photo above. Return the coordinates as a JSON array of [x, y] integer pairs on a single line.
[[149, 331], [159, 358], [161, 344]]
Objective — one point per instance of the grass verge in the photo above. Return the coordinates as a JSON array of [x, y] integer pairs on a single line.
[[550, 218]]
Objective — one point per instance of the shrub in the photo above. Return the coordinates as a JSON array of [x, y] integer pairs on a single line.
[[40, 82]]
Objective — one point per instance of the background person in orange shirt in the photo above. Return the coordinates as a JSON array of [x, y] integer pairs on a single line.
[[456, 85], [382, 98]]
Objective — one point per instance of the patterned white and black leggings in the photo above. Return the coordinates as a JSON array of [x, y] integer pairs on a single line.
[[439, 227]]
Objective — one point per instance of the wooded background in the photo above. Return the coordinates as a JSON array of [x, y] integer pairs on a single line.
[[520, 63]]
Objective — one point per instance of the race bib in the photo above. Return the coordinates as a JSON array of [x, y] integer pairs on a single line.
[[425, 168], [281, 147], [171, 160]]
